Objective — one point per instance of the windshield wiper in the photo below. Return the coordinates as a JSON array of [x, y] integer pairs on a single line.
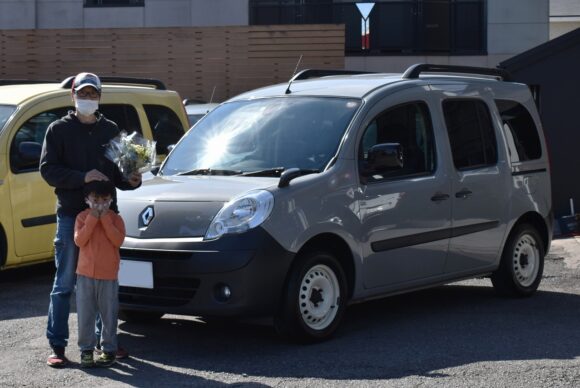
[[274, 171], [277, 171], [210, 171]]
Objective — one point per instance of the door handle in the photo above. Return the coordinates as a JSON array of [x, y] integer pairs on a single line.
[[438, 197], [463, 194]]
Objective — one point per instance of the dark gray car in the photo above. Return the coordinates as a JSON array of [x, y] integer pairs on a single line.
[[295, 200]]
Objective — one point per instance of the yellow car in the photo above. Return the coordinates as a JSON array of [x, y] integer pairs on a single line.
[[27, 205]]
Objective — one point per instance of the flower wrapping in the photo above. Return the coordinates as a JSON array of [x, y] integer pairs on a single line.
[[131, 153]]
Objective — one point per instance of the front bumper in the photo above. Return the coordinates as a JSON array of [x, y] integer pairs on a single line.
[[187, 279]]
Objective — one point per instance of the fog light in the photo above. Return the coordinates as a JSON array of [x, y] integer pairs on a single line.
[[223, 292]]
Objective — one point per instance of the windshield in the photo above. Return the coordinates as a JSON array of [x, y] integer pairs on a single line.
[[5, 113], [270, 134]]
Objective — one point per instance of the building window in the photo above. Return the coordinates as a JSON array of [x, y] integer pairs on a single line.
[[411, 27], [114, 3]]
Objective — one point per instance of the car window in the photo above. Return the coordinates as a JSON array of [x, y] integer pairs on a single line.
[[471, 134], [194, 118], [124, 115], [5, 113], [32, 131], [521, 131], [408, 125], [165, 125], [285, 132]]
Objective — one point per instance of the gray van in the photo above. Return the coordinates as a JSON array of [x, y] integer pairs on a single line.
[[295, 200]]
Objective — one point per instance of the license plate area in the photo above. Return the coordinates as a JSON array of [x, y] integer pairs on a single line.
[[136, 274]]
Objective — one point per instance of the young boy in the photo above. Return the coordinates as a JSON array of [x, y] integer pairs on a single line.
[[99, 232]]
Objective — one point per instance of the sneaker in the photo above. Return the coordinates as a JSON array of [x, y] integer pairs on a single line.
[[57, 358], [119, 355], [87, 360], [105, 359]]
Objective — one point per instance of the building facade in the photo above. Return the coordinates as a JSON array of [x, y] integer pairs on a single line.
[[384, 35], [564, 17]]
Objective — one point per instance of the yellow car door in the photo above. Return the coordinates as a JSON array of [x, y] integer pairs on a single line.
[[33, 200]]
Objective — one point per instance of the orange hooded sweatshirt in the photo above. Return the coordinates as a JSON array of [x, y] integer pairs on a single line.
[[99, 240]]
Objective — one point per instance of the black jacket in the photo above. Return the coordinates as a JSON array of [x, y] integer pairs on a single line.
[[70, 150]]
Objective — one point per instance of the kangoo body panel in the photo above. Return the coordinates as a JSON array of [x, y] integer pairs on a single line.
[[294, 200]]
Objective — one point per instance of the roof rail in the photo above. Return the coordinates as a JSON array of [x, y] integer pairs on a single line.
[[67, 83], [415, 70], [316, 73], [4, 82]]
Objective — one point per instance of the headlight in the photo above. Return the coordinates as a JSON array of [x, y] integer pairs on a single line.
[[241, 214]]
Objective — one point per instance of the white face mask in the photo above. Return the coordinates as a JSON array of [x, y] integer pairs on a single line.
[[98, 206], [86, 107]]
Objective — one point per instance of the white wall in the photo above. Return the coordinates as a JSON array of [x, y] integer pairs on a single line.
[[515, 26], [17, 14], [24, 14], [563, 27]]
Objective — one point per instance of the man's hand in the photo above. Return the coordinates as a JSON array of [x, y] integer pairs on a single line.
[[135, 179], [95, 175]]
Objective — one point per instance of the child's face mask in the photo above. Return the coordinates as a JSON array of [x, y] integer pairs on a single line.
[[98, 204]]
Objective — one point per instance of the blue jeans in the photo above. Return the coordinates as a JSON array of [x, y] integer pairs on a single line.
[[65, 258]]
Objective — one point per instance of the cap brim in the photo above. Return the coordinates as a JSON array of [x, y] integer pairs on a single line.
[[87, 84]]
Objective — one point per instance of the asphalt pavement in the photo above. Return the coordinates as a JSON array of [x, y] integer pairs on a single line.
[[460, 335]]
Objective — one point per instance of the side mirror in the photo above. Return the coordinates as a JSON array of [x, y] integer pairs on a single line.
[[29, 153], [385, 157], [170, 147]]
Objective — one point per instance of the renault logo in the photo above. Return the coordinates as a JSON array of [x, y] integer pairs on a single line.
[[147, 216]]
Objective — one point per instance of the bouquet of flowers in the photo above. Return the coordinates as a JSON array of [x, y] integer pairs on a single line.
[[131, 153]]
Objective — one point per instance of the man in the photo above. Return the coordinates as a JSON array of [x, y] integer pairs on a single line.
[[72, 155]]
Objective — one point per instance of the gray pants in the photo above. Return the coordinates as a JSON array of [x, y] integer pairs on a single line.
[[93, 297]]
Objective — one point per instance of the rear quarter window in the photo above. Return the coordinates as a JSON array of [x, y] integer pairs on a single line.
[[520, 130]]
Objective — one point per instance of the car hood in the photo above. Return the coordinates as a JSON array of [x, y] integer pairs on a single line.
[[181, 206]]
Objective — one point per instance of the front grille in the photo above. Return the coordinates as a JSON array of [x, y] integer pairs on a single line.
[[168, 292]]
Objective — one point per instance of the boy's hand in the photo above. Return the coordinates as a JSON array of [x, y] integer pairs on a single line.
[[105, 209], [95, 212]]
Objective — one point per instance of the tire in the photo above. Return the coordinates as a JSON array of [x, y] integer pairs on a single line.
[[522, 263], [314, 299], [133, 316]]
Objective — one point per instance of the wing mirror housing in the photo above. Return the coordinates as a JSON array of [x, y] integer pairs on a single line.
[[385, 157]]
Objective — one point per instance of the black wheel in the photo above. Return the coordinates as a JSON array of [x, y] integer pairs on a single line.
[[133, 316], [314, 299], [522, 263]]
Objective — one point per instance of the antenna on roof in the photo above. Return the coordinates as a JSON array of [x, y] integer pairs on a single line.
[[212, 93], [292, 78]]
